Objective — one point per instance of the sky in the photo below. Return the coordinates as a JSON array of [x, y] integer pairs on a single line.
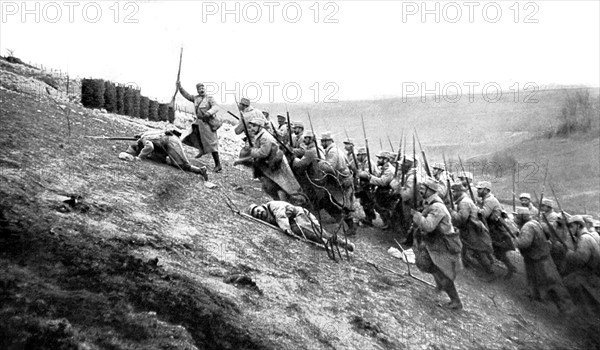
[[311, 51]]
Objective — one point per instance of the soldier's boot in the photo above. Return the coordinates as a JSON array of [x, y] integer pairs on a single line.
[[386, 221], [342, 244], [438, 284], [455, 303], [351, 226], [217, 160], [486, 262], [202, 171], [509, 266]]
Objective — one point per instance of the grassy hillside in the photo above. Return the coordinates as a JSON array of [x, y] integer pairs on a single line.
[[573, 171]]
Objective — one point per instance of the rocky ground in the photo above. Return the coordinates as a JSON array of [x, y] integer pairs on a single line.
[[99, 253]]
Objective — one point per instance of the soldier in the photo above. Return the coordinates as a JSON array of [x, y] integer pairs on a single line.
[[473, 233], [336, 164], [268, 123], [307, 162], [438, 246], [547, 209], [203, 133], [362, 187], [383, 192], [597, 226], [582, 272], [349, 147], [295, 220], [525, 199], [406, 192], [282, 130], [298, 129], [164, 147], [463, 176], [441, 175], [266, 157], [248, 113], [491, 212], [542, 276]]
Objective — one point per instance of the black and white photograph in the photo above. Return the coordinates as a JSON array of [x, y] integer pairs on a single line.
[[305, 174]]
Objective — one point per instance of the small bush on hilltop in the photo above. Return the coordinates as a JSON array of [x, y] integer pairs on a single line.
[[110, 97], [579, 114], [144, 106], [92, 93], [120, 99], [163, 112], [153, 110]]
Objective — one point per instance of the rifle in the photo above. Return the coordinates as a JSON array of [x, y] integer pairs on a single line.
[[564, 217], [543, 187], [415, 188], [513, 188], [484, 220], [403, 182], [468, 182], [366, 145], [353, 154], [178, 75], [553, 231], [114, 138], [289, 126], [415, 230], [427, 170], [246, 132], [390, 142], [398, 155], [233, 115], [448, 183], [281, 143], [315, 135]]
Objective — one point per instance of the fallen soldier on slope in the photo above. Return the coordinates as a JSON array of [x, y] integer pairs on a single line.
[[163, 146], [296, 220]]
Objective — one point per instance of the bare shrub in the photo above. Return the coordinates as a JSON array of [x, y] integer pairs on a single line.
[[579, 114]]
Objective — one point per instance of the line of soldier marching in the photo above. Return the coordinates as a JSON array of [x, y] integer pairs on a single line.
[[447, 219]]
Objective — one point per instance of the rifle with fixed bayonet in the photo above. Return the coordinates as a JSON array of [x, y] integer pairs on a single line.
[[564, 215], [314, 136], [543, 188], [246, 132], [425, 163], [480, 215], [390, 142], [513, 188], [285, 147], [366, 144], [450, 198], [289, 127], [468, 182], [353, 154], [178, 75], [403, 182], [113, 138], [398, 165]]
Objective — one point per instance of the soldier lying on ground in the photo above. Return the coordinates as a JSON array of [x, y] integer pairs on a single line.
[[163, 146], [296, 220]]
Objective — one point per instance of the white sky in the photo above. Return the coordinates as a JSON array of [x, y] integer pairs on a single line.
[[369, 53]]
